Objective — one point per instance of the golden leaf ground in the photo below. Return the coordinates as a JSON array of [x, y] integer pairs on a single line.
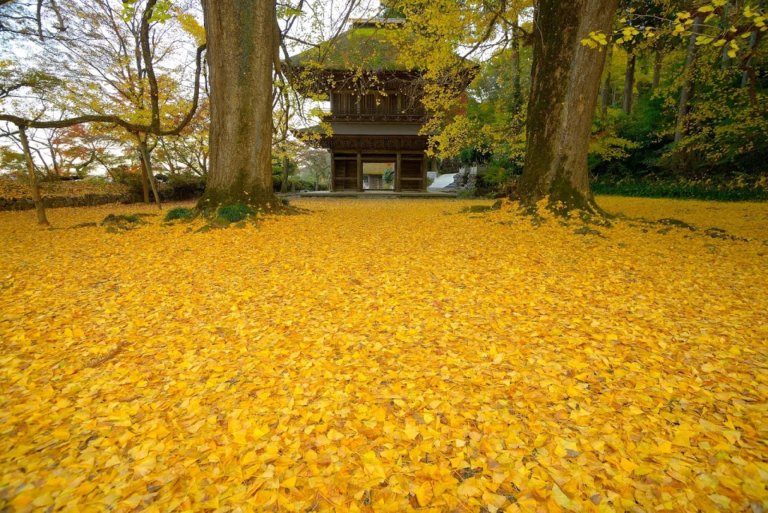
[[385, 355]]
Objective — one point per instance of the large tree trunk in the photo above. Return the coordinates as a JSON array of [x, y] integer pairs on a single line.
[[241, 41], [629, 82], [687, 90], [33, 185], [565, 81]]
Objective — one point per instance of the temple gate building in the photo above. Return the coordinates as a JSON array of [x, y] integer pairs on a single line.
[[376, 110]]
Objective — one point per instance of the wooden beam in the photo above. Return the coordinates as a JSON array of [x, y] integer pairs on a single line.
[[398, 169], [359, 171], [332, 181]]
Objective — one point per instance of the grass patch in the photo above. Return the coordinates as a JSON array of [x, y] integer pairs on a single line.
[[235, 213], [123, 222], [182, 213]]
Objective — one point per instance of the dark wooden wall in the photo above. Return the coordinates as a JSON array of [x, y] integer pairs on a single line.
[[347, 170]]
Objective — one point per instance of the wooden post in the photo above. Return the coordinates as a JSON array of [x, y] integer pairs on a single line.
[[398, 171], [359, 171], [332, 180]]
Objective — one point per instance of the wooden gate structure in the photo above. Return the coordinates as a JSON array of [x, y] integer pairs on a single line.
[[376, 111]]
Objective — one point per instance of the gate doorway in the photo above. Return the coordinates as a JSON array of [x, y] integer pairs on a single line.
[[397, 171], [379, 176]]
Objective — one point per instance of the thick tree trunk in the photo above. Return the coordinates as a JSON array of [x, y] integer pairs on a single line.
[[658, 61], [565, 82], [629, 82], [33, 185], [241, 40], [687, 90]]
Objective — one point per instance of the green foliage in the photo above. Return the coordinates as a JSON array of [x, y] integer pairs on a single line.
[[608, 147], [466, 193], [162, 11], [180, 213], [499, 172], [129, 10], [723, 136], [368, 48], [236, 212], [724, 148], [128, 175], [12, 163], [701, 190]]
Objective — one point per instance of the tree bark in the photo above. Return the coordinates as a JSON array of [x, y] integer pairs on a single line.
[[517, 90], [658, 61], [746, 79], [687, 90], [565, 82], [33, 185], [144, 177], [629, 82], [168, 157], [605, 96], [284, 183], [241, 38], [146, 160]]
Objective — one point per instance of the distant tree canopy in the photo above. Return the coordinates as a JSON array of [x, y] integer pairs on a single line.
[[683, 94]]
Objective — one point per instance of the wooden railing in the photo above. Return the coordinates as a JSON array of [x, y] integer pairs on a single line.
[[376, 117]]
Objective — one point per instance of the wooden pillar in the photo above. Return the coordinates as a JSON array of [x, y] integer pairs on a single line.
[[398, 171], [359, 171], [423, 172], [332, 180]]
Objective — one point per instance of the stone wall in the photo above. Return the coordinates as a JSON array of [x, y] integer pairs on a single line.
[[87, 200]]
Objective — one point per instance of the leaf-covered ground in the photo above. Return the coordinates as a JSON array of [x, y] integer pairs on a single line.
[[386, 355]]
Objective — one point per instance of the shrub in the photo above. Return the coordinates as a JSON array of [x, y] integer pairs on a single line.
[[185, 186]]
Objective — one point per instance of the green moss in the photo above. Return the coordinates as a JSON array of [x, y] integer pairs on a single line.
[[180, 213], [236, 212], [116, 223]]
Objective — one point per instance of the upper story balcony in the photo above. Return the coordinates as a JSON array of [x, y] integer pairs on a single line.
[[375, 107]]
